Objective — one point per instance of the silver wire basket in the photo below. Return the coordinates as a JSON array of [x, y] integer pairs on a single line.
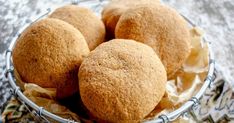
[[187, 107]]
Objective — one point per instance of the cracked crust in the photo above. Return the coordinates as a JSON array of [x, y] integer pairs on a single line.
[[122, 81], [160, 27], [85, 21], [49, 53]]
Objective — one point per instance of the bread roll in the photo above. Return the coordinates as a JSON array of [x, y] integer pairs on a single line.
[[122, 81], [112, 12], [160, 27], [49, 53], [85, 21]]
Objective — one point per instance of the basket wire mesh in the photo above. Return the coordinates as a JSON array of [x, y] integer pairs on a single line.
[[187, 107]]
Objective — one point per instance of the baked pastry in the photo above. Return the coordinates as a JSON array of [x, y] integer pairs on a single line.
[[160, 27], [112, 12], [49, 53], [85, 21], [122, 81]]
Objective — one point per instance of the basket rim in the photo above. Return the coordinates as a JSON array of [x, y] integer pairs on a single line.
[[162, 118]]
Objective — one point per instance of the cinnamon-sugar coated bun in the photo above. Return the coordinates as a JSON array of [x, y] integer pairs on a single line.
[[160, 27], [122, 81], [112, 12], [49, 53], [85, 21]]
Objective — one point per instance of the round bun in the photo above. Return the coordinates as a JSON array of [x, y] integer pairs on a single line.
[[49, 53], [112, 12], [85, 21], [122, 81], [160, 27]]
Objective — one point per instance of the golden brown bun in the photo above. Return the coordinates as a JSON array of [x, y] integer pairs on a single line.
[[160, 27], [49, 53], [85, 21], [112, 12], [122, 81]]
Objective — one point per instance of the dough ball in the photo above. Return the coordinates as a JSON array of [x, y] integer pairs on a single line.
[[122, 81], [85, 21], [112, 12], [49, 53], [160, 27]]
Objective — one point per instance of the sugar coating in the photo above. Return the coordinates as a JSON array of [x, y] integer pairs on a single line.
[[112, 12], [160, 27], [122, 81], [49, 53], [85, 21]]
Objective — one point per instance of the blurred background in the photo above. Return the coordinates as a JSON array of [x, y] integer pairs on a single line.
[[216, 17]]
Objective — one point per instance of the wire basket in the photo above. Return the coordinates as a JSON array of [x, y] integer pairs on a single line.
[[44, 114]]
